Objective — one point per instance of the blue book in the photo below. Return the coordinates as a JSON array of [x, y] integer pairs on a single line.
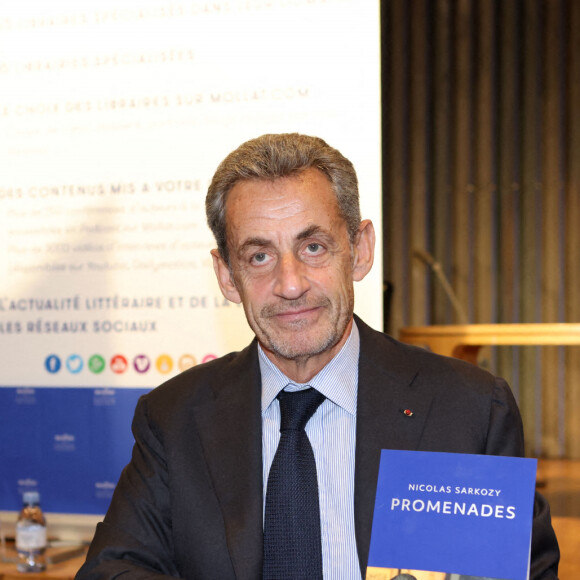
[[454, 514]]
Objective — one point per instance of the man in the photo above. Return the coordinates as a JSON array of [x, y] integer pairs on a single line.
[[197, 499]]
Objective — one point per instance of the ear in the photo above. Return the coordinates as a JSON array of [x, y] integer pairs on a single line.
[[224, 278], [363, 250]]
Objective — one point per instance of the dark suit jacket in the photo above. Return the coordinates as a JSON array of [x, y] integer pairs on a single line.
[[189, 503]]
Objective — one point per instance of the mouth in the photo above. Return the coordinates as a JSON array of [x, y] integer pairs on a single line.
[[297, 315], [288, 313]]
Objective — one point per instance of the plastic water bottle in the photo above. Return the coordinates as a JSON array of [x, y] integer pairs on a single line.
[[31, 535]]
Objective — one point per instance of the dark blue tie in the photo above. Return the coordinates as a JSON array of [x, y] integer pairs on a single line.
[[292, 545]]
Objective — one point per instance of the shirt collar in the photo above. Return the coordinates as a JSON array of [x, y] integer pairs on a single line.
[[337, 381]]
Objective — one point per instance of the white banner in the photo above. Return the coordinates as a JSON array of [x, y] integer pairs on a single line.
[[113, 118]]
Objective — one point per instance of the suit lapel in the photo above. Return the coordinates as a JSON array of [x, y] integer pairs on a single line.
[[230, 430], [385, 392]]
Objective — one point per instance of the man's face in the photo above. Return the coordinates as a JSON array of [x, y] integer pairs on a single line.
[[292, 265]]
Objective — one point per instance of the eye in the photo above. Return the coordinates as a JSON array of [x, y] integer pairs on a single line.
[[259, 258], [314, 248]]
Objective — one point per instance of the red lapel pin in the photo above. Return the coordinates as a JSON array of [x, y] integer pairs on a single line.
[[407, 412]]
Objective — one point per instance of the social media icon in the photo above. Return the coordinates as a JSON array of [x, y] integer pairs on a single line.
[[119, 364], [186, 361], [141, 363], [164, 363], [74, 364], [52, 364], [96, 364]]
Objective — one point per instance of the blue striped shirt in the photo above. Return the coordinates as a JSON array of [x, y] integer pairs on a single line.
[[332, 434]]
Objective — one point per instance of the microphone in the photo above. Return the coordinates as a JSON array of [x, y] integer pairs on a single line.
[[435, 266]]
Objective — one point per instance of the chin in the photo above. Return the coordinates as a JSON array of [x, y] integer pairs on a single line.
[[296, 349]]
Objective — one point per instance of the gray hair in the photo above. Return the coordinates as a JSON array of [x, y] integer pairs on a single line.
[[281, 155]]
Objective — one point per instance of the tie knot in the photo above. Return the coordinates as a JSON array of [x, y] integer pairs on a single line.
[[297, 407]]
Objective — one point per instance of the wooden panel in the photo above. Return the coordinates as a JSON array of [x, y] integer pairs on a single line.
[[419, 176], [510, 159], [485, 254], [552, 189], [463, 184], [398, 179], [442, 155], [509, 183], [531, 161], [572, 225]]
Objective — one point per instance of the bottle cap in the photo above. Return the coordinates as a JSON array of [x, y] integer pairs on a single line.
[[31, 497]]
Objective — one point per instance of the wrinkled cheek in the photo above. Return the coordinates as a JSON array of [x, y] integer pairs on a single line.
[[251, 317], [346, 301]]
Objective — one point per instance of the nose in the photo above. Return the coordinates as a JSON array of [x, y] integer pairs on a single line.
[[291, 279]]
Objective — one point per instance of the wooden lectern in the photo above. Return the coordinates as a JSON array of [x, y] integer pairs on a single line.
[[464, 340]]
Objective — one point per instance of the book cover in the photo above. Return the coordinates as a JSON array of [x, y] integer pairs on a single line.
[[450, 516]]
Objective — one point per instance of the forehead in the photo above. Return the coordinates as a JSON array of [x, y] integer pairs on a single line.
[[304, 200]]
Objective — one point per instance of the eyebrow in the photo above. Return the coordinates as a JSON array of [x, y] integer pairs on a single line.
[[252, 243], [265, 242], [309, 232]]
